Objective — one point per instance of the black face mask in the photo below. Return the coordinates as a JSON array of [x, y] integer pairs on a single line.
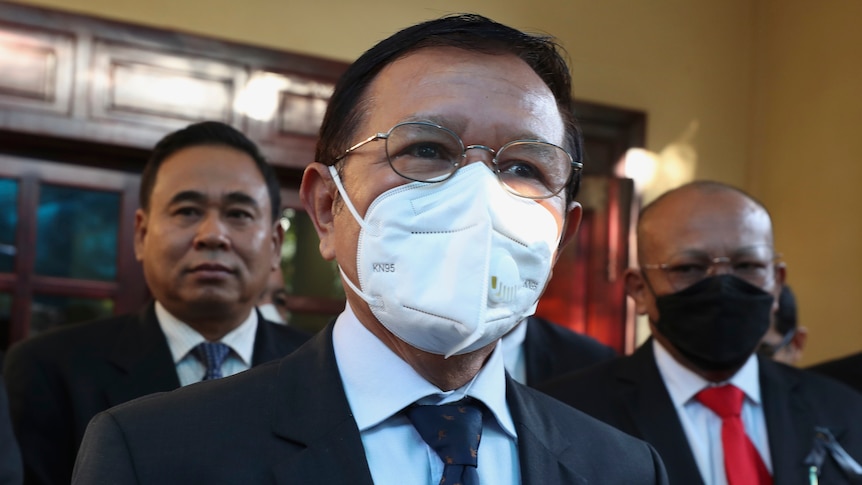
[[717, 322]]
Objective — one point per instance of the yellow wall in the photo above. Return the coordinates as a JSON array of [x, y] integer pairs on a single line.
[[772, 86], [806, 159]]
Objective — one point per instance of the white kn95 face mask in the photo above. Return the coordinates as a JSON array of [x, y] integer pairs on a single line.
[[451, 267]]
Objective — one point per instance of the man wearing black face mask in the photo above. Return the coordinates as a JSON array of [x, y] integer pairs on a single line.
[[716, 412]]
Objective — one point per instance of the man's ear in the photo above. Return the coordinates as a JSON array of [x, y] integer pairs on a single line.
[[317, 193], [140, 233], [571, 225], [780, 277], [277, 240], [637, 290]]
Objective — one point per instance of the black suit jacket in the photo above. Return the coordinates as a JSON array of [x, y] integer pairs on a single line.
[[11, 471], [59, 380], [629, 393], [846, 369], [289, 422], [551, 350]]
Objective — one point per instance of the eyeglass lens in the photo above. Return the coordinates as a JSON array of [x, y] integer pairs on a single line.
[[429, 153], [753, 265]]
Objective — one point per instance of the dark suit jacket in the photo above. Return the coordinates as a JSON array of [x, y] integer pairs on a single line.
[[59, 380], [629, 393], [846, 369], [11, 471], [551, 350], [288, 422]]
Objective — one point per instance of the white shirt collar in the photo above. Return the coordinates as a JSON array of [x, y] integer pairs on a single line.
[[683, 384], [182, 338], [512, 345], [379, 384]]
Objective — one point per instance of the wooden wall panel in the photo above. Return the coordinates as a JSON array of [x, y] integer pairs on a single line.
[[37, 69], [136, 85], [75, 77]]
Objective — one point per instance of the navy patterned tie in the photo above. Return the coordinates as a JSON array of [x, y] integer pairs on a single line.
[[453, 431], [211, 355]]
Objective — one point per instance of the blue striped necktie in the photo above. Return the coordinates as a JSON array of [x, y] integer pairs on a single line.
[[212, 355]]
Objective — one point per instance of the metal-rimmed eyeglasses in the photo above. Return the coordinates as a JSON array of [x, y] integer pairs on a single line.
[[754, 264], [427, 152]]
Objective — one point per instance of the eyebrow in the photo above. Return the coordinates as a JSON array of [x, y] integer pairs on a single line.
[[187, 196], [458, 126], [200, 198], [240, 198], [742, 250]]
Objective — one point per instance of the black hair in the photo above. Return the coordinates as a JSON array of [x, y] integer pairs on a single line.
[[207, 133], [472, 32]]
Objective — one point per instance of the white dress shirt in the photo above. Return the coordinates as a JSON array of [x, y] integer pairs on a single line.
[[379, 384], [513, 352], [183, 338], [702, 426]]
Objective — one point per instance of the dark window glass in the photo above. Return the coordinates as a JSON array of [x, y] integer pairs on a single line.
[[5, 319], [8, 223], [77, 233], [49, 311]]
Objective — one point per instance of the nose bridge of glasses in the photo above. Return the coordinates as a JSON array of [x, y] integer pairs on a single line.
[[483, 153], [723, 262]]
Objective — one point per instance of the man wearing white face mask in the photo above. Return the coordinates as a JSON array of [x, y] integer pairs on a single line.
[[443, 183]]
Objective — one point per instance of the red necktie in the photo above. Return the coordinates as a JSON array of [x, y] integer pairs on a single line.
[[742, 462]]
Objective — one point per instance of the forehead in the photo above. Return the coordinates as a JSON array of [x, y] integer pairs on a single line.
[[472, 93], [718, 223], [212, 170]]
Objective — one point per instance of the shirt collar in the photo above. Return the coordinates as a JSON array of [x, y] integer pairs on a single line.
[[379, 384], [512, 345], [182, 338], [683, 384]]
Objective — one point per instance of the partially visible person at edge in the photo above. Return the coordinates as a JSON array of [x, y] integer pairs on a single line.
[[11, 470], [847, 369], [697, 390], [208, 237], [273, 301], [785, 339], [443, 183]]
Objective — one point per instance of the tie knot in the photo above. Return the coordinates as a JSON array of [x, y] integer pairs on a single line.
[[453, 431], [725, 401], [211, 355]]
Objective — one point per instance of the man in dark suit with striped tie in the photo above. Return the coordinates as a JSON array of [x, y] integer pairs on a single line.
[[208, 236]]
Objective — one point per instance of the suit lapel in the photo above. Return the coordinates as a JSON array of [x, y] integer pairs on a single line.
[[311, 410], [654, 416], [540, 443], [142, 356], [788, 423]]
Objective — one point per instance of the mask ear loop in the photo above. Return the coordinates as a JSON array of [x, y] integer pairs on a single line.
[[340, 187]]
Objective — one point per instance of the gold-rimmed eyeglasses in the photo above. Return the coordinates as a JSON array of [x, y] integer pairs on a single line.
[[754, 264], [427, 152]]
